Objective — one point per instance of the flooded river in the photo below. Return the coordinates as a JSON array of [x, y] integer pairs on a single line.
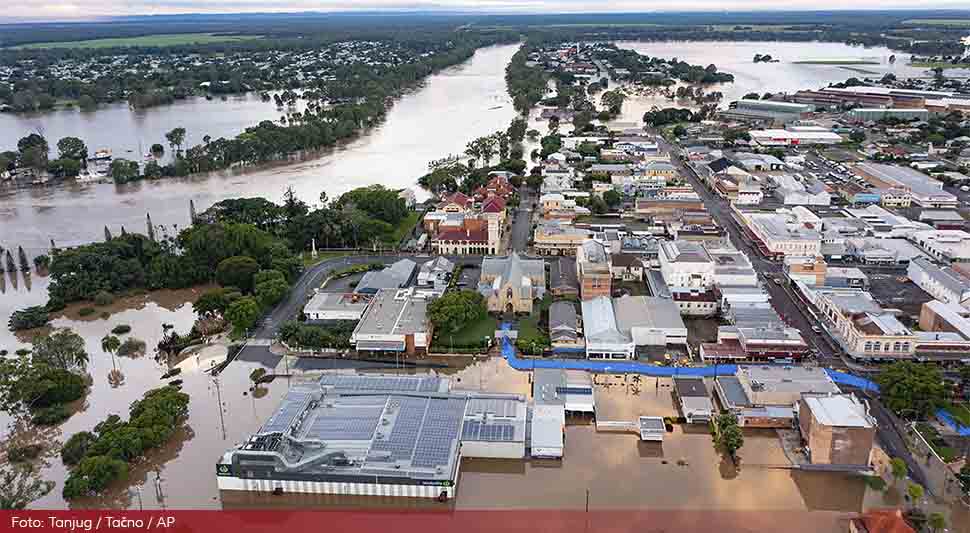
[[787, 75], [450, 109]]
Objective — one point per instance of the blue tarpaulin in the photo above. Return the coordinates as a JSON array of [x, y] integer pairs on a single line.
[[853, 381], [961, 430], [636, 367]]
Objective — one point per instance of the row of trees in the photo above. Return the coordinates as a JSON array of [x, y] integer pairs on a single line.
[[33, 152], [450, 174], [525, 83], [360, 217], [133, 261], [101, 456]]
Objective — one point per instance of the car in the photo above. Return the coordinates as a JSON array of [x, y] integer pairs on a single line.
[[778, 281], [965, 188], [816, 329]]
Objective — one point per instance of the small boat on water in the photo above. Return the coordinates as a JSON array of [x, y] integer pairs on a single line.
[[495, 107], [104, 154]]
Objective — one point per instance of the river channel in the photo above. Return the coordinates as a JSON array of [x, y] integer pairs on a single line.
[[437, 119]]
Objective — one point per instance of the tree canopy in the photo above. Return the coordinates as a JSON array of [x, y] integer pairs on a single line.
[[455, 310], [911, 389]]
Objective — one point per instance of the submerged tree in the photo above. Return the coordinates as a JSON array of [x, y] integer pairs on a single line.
[[19, 486], [24, 262]]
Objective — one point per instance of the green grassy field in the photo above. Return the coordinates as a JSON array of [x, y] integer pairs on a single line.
[[472, 333], [836, 62], [404, 228], [174, 39], [956, 23]]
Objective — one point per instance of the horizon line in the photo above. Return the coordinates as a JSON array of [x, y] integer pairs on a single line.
[[457, 12]]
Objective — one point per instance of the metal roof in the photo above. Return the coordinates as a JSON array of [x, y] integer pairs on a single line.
[[839, 410]]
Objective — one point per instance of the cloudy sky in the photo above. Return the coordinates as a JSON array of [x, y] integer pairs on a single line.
[[62, 9]]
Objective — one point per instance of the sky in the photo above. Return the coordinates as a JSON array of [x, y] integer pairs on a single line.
[[70, 9]]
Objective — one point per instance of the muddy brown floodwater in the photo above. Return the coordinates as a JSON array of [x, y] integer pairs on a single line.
[[683, 477]]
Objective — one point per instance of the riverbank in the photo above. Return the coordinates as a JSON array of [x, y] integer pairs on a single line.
[[449, 109]]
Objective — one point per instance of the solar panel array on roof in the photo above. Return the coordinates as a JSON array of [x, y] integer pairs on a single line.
[[380, 383], [493, 406], [348, 423], [294, 403], [475, 430], [400, 443], [439, 432]]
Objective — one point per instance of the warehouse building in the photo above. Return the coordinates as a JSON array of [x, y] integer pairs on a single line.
[[374, 435], [871, 114], [837, 429]]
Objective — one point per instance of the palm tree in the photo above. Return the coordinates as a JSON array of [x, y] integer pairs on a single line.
[[110, 344]]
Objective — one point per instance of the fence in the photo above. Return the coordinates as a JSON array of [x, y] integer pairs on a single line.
[[941, 481]]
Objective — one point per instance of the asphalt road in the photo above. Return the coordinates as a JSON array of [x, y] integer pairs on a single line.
[[791, 311], [522, 223]]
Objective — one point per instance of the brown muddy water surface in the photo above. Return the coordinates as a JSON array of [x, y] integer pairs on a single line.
[[682, 474]]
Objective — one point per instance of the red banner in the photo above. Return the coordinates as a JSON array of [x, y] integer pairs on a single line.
[[423, 521]]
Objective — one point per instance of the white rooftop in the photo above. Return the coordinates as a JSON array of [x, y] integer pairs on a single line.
[[839, 410]]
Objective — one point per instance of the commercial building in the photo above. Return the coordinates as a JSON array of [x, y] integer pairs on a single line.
[[732, 268], [556, 238], [395, 276], [686, 266], [627, 267], [767, 396], [875, 251], [884, 224], [860, 325], [769, 340], [871, 114], [924, 191], [401, 436], [593, 270], [694, 399], [792, 190], [556, 392], [776, 137], [766, 110], [942, 283], [510, 284], [326, 306], [649, 321], [603, 337], [837, 429], [944, 245], [943, 218], [395, 321], [781, 234]]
